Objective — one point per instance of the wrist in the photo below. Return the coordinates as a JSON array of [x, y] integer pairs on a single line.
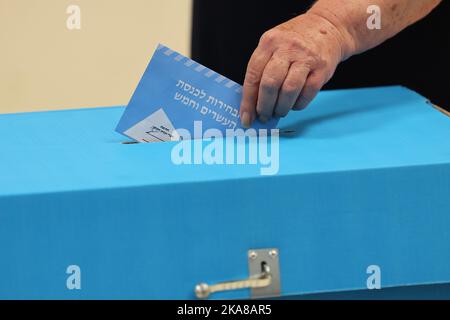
[[338, 28]]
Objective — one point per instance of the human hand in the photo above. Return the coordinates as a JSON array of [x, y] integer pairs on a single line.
[[289, 67]]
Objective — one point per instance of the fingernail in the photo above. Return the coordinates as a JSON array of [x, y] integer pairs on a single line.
[[246, 119], [263, 119]]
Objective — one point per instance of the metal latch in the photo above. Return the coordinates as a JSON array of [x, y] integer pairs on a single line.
[[264, 279]]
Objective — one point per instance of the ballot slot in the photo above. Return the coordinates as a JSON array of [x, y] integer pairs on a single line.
[[263, 280], [282, 133]]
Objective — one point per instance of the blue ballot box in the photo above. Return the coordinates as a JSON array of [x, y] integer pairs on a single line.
[[357, 208]]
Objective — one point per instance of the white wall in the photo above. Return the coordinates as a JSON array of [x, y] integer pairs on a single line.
[[44, 65]]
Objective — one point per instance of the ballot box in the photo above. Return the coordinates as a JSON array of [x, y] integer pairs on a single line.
[[354, 203]]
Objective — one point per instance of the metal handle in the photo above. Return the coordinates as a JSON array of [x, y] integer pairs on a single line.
[[264, 279]]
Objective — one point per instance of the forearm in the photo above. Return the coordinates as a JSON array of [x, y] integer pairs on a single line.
[[350, 19]]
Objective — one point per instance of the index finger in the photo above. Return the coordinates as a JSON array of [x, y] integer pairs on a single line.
[[255, 69]]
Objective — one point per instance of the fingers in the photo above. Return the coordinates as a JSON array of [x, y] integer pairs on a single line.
[[274, 84], [272, 79], [311, 88], [255, 70], [291, 89]]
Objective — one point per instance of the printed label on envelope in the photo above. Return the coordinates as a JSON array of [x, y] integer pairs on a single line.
[[175, 92]]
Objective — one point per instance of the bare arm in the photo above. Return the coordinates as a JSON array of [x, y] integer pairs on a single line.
[[295, 59]]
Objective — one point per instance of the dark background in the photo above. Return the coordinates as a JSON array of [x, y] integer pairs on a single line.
[[225, 33]]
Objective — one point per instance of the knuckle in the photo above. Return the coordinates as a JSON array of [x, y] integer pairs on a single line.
[[268, 37], [313, 60], [252, 77], [294, 43], [269, 83], [320, 62], [317, 58], [290, 88]]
